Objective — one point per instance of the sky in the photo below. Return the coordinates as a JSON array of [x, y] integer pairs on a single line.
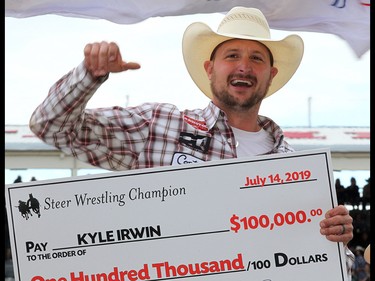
[[330, 88]]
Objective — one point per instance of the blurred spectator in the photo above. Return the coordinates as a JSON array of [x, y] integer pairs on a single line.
[[352, 192], [361, 224], [340, 191], [33, 179], [366, 194], [8, 269], [359, 267], [18, 179]]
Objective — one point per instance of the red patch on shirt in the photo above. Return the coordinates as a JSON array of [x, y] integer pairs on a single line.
[[199, 125]]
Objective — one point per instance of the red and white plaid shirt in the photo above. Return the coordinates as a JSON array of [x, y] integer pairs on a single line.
[[149, 135]]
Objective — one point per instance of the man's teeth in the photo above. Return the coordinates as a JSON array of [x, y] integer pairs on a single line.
[[241, 83]]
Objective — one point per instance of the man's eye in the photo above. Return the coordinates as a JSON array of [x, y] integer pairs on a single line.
[[232, 56], [257, 58]]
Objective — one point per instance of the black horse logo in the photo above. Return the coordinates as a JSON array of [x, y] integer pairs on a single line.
[[25, 208]]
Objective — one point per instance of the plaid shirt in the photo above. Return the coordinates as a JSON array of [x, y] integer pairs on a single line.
[[149, 135]]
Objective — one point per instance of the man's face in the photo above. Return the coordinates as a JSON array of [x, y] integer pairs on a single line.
[[240, 74]]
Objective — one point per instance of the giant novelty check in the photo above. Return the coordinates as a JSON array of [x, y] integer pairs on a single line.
[[242, 219]]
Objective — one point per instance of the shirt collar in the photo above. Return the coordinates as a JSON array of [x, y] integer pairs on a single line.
[[212, 114]]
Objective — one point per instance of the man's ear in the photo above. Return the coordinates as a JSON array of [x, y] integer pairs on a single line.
[[208, 67], [274, 72]]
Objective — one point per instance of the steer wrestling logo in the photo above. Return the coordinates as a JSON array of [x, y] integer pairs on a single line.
[[27, 208]]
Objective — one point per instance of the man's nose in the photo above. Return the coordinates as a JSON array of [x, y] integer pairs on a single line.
[[245, 65]]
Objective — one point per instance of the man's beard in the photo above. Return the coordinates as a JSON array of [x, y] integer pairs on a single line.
[[232, 102]]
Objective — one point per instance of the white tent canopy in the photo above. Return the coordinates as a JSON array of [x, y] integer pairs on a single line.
[[349, 20]]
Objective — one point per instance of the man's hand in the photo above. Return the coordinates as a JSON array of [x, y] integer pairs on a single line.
[[337, 225], [103, 58]]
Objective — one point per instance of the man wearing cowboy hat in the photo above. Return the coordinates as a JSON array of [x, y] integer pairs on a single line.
[[236, 67], [360, 264]]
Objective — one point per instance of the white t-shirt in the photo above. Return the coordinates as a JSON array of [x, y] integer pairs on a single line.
[[252, 143]]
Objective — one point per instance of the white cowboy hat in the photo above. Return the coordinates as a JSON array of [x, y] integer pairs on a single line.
[[199, 41], [367, 254], [359, 248]]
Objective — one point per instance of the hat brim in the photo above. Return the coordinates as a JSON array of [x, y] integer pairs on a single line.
[[199, 40], [367, 254]]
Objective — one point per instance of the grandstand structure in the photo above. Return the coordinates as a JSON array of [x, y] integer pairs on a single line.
[[349, 147]]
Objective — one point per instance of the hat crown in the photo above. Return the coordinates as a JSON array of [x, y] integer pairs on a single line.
[[245, 21], [359, 248]]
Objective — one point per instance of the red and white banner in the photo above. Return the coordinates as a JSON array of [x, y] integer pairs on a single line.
[[349, 20]]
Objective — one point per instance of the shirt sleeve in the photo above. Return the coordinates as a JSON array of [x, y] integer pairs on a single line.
[[63, 121], [350, 257], [65, 102]]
